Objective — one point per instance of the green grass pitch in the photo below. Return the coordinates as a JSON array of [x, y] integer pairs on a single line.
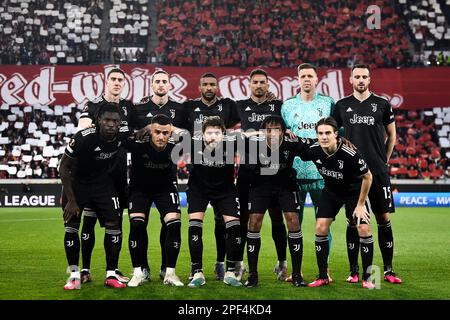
[[33, 263]]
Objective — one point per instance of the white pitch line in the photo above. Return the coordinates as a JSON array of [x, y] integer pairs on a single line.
[[26, 220]]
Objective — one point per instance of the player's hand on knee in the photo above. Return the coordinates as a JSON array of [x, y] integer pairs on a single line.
[[361, 214], [71, 210]]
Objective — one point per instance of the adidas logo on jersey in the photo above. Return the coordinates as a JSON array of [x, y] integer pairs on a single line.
[[98, 149], [197, 109], [349, 109], [248, 109], [318, 161], [149, 115]]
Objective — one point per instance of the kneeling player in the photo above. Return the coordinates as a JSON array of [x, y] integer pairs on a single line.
[[153, 180], [277, 185], [347, 182], [89, 184], [212, 181]]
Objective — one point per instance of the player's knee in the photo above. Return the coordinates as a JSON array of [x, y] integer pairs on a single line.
[[364, 230], [292, 221], [255, 222], [321, 228], [382, 218]]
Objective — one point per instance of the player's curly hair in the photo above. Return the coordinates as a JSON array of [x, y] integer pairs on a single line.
[[213, 121]]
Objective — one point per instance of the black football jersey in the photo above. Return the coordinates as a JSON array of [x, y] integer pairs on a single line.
[[252, 114], [151, 168], [272, 167], [341, 170], [95, 157], [224, 108], [364, 125], [212, 170], [91, 109], [146, 109]]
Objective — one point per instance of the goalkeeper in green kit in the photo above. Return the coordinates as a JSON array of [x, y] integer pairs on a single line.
[[301, 113]]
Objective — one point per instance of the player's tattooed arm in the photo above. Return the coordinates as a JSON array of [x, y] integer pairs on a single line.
[[71, 209], [361, 213]]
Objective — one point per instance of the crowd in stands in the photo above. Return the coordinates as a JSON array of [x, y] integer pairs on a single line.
[[50, 32], [279, 33], [418, 153], [243, 33], [129, 22], [33, 139]]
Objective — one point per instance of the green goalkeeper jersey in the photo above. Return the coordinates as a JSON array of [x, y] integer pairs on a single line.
[[301, 118]]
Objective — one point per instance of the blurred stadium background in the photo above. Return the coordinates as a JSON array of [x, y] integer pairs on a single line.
[[54, 56]]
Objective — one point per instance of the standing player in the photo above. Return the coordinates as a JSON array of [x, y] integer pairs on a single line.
[[212, 180], [88, 183], [368, 121], [252, 113], [209, 105], [277, 186], [301, 114], [115, 81], [152, 162], [158, 103], [347, 182]]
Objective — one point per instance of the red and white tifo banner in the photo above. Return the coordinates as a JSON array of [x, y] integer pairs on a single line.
[[410, 88]]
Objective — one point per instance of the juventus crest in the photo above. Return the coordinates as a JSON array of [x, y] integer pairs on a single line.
[[172, 113], [341, 164], [374, 107]]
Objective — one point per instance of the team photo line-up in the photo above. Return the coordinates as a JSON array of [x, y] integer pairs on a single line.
[[283, 151]]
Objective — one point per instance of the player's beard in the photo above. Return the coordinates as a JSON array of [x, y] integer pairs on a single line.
[[361, 89], [160, 94], [259, 93], [207, 98]]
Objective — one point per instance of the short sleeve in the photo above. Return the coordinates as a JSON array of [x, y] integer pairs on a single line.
[[388, 116]]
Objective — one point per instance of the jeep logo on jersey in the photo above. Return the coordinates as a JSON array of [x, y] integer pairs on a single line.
[[369, 120], [257, 117], [306, 126], [374, 107], [201, 118], [172, 113]]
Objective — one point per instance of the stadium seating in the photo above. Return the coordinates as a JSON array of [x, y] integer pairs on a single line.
[[33, 139], [129, 23], [419, 152], [278, 33], [50, 31]]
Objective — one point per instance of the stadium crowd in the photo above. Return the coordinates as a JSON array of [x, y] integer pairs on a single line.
[[241, 33]]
